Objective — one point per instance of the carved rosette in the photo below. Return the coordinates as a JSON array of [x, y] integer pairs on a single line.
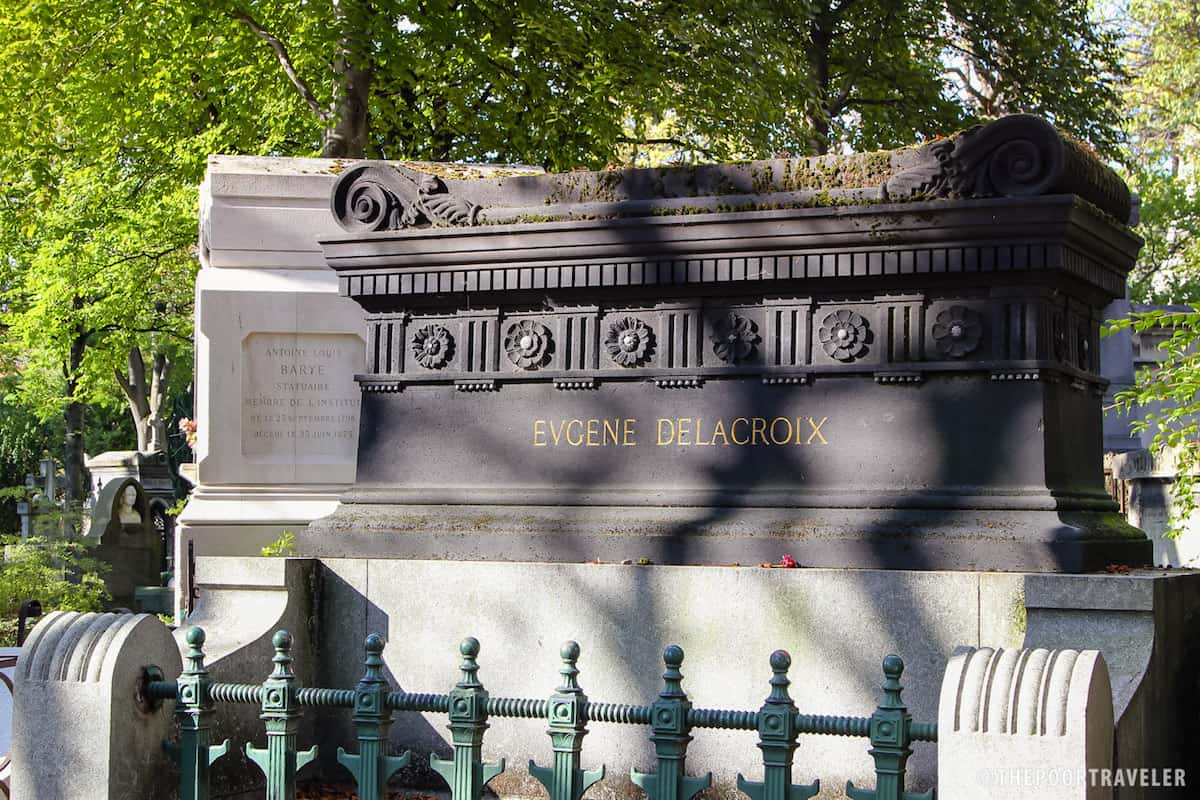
[[629, 342], [957, 331], [528, 344], [433, 346], [735, 338], [844, 335]]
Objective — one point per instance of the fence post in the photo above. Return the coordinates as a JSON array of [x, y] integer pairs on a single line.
[[777, 732], [567, 715], [669, 722], [373, 719], [280, 761], [466, 773], [891, 737], [193, 712]]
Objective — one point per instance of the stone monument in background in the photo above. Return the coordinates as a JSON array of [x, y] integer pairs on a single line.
[[277, 349], [123, 535], [1141, 479]]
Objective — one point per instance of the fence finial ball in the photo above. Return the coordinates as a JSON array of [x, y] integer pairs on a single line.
[[569, 651], [469, 647], [282, 640], [893, 666], [781, 660], [374, 643], [673, 655], [195, 636]]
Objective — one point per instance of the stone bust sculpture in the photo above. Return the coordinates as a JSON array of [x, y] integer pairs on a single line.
[[127, 513], [121, 511]]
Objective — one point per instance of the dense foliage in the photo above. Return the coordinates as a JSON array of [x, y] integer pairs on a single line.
[[109, 108], [59, 574]]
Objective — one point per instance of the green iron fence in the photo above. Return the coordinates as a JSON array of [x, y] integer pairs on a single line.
[[671, 718]]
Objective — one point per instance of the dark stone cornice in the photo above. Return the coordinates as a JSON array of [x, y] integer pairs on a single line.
[[797, 247], [1016, 156]]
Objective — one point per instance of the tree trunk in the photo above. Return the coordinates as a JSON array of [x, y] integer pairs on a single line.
[[347, 136], [73, 456], [819, 44], [147, 400], [157, 423]]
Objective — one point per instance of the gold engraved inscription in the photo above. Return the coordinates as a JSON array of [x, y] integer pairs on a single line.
[[681, 432]]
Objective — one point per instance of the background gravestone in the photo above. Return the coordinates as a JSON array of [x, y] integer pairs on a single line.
[[122, 534], [153, 471]]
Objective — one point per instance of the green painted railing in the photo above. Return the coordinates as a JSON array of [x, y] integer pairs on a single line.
[[891, 730]]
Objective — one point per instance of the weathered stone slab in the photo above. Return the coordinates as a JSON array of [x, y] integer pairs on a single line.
[[1145, 623], [1025, 723], [81, 730], [884, 360]]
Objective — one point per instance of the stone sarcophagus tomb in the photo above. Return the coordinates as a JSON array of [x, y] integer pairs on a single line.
[[885, 359]]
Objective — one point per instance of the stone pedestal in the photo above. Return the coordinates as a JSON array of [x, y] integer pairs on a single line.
[[276, 349], [1147, 625]]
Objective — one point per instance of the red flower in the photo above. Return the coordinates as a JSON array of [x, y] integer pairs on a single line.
[[787, 561]]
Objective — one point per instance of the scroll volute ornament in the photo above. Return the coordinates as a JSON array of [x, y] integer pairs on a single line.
[[386, 197], [1015, 156]]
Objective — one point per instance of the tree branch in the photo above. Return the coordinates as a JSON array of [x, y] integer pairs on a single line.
[[842, 102], [285, 61], [126, 329], [979, 96]]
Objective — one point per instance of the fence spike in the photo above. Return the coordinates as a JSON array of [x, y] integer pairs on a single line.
[[777, 732], [669, 723], [194, 753], [891, 737], [372, 766], [280, 760], [466, 773], [567, 716]]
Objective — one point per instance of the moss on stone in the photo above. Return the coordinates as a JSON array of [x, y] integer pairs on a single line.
[[1017, 616], [465, 172]]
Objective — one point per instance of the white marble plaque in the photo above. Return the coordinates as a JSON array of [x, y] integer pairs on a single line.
[[299, 398]]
